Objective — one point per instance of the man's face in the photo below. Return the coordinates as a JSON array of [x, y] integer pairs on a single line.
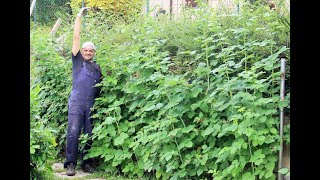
[[87, 53]]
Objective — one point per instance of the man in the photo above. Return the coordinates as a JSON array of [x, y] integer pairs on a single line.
[[85, 75]]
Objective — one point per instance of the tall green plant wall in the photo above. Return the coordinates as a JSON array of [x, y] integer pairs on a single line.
[[195, 97]]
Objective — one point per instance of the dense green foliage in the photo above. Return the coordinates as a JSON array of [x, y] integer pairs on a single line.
[[123, 9], [48, 99], [47, 12], [193, 97], [42, 137]]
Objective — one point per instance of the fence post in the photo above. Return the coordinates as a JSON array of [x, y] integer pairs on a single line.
[[282, 92], [147, 6], [171, 4], [32, 6], [35, 14]]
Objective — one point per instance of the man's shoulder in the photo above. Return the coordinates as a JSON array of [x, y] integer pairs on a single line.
[[96, 63], [77, 58], [78, 55]]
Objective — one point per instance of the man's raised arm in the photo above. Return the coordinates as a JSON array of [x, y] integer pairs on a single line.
[[76, 32]]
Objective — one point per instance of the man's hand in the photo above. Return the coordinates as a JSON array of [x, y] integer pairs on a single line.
[[82, 10]]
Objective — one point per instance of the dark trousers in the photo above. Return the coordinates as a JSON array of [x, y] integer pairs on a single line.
[[78, 119]]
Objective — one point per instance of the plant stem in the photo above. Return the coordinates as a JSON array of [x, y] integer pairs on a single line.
[[207, 61], [252, 166], [182, 122], [116, 122], [175, 141]]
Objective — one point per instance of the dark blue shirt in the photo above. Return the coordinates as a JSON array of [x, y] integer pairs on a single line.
[[77, 64]]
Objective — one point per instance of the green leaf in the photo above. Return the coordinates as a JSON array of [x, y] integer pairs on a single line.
[[200, 171], [119, 140], [248, 176], [261, 174], [150, 108], [273, 131], [262, 119], [109, 120], [244, 145], [258, 161], [103, 134], [159, 105], [108, 157], [195, 91], [190, 114], [204, 159], [128, 167], [187, 129], [185, 143], [158, 174], [36, 146], [268, 174], [283, 170], [269, 165], [189, 144], [32, 151], [111, 130], [207, 131], [248, 131], [182, 173], [174, 132], [168, 156], [204, 107]]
